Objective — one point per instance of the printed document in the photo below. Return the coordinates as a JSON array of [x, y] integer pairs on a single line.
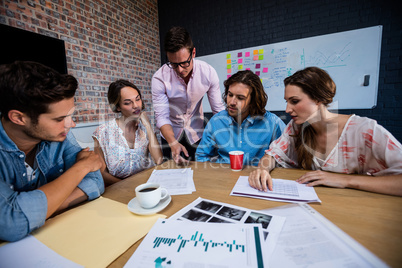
[[283, 191], [172, 243], [176, 181], [204, 210], [308, 239]]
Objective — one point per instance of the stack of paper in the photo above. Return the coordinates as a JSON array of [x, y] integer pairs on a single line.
[[308, 239], [176, 181], [283, 190]]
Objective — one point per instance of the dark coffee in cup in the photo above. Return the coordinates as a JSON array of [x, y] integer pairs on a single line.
[[148, 189]]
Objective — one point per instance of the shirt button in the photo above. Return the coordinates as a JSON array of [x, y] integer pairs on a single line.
[[241, 142], [60, 170], [24, 174], [21, 155]]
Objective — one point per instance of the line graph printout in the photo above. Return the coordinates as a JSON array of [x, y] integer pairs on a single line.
[[283, 190], [352, 59], [172, 243]]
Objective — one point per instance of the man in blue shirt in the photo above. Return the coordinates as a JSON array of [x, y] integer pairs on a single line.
[[43, 170], [245, 125]]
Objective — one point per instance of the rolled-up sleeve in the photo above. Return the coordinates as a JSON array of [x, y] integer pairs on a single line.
[[160, 100], [92, 185]]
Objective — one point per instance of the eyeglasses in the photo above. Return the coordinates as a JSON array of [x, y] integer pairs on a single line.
[[183, 64]]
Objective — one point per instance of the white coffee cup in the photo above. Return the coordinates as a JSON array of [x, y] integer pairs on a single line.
[[150, 194]]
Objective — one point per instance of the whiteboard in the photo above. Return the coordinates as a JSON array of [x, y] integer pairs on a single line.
[[352, 58]]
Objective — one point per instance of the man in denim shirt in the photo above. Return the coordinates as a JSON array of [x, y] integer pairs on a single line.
[[43, 170], [245, 125]]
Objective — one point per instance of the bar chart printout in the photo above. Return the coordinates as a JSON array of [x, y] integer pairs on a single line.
[[184, 244]]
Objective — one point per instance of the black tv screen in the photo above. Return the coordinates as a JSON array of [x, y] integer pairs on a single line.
[[17, 44]]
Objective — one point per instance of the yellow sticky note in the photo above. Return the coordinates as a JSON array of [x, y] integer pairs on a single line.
[[261, 51], [228, 56], [240, 67]]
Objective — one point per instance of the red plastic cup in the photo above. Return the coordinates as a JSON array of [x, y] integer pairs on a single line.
[[236, 160]]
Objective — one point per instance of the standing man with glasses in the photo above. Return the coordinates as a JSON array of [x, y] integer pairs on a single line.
[[177, 91]]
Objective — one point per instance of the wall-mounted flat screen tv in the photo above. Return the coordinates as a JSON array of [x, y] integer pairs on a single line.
[[17, 44]]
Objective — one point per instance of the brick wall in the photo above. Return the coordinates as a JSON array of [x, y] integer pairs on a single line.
[[105, 40], [218, 26]]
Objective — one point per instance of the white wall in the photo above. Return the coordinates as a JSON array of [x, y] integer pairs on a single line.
[[83, 134]]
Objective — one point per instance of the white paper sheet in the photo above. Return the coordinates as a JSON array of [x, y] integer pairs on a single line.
[[204, 210], [176, 181], [30, 252], [172, 243], [310, 240], [283, 191]]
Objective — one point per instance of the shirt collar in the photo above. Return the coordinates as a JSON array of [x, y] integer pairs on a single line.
[[249, 118], [7, 143]]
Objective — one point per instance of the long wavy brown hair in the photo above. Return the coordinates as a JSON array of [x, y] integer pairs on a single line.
[[319, 86], [258, 96]]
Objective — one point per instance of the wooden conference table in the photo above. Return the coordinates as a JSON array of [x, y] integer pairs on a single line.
[[374, 220]]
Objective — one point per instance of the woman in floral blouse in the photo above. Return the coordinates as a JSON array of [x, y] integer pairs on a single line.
[[127, 144], [331, 144]]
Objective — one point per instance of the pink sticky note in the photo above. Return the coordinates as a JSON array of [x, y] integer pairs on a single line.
[[247, 54], [257, 73], [229, 71], [248, 69], [265, 70], [239, 54], [255, 57], [228, 76], [240, 61], [257, 66]]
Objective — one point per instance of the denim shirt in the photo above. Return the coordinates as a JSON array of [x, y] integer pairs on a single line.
[[23, 207], [253, 136]]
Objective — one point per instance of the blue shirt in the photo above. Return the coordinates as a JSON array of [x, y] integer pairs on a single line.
[[23, 207], [223, 134]]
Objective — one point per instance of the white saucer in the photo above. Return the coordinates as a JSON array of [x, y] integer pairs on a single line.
[[135, 207]]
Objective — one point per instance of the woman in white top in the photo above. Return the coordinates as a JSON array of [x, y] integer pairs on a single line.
[[125, 143], [331, 144]]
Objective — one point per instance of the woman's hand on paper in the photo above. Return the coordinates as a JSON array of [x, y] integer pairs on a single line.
[[261, 180], [319, 177]]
